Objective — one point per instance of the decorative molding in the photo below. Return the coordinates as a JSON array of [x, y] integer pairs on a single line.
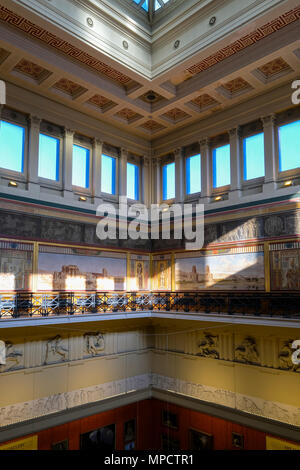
[[248, 404], [63, 401]]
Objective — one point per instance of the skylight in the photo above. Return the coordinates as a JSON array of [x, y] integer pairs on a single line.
[[151, 5]]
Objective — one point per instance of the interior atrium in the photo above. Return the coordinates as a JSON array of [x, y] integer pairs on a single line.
[[130, 335]]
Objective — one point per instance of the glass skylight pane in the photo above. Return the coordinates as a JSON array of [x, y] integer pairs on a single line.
[[145, 5], [221, 166], [108, 174], [254, 156], [289, 149], [132, 181], [157, 5], [48, 157], [169, 181], [193, 174], [80, 166], [12, 146]]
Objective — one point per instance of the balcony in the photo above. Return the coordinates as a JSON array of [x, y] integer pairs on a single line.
[[97, 304]]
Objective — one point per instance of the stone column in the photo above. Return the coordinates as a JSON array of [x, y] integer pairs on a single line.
[[156, 165], [96, 170], [179, 175], [271, 164], [146, 181], [235, 163], [122, 173], [33, 154], [206, 171], [67, 162]]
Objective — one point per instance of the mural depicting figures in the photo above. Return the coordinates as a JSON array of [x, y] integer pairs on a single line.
[[139, 273], [162, 272], [76, 270], [225, 270], [15, 266], [285, 270]]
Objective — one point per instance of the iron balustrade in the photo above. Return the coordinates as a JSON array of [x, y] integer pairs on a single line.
[[22, 305]]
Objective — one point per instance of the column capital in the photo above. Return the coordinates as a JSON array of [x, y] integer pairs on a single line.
[[68, 132], [178, 152], [146, 161], [34, 121], [124, 152], [204, 142], [235, 132], [269, 120], [156, 161], [96, 141]]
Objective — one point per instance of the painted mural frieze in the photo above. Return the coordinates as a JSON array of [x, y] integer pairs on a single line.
[[208, 346], [56, 350], [247, 351], [94, 344]]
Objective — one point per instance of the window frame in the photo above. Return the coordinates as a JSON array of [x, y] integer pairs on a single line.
[[20, 176], [86, 145], [133, 162], [198, 193], [171, 200], [47, 182], [282, 175], [259, 179], [109, 196], [220, 189]]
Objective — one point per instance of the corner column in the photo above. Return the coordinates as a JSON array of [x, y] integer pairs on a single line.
[[33, 155], [206, 171], [122, 173], [146, 181], [179, 175], [235, 163], [271, 164], [67, 162], [96, 171]]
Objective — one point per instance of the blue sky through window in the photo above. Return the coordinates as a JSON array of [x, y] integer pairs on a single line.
[[156, 5], [12, 139], [193, 174], [289, 148], [132, 181], [108, 174], [254, 156], [221, 166], [168, 177], [80, 166], [48, 157]]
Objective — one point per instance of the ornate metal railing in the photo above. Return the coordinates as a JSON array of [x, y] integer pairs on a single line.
[[71, 303]]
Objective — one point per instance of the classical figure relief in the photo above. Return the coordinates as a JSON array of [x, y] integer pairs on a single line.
[[94, 343], [14, 358], [2, 353], [209, 346], [285, 357], [56, 350], [247, 351]]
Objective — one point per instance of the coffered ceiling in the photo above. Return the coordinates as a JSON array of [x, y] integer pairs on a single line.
[[107, 60]]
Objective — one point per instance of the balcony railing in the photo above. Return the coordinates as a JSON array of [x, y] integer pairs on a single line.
[[70, 303]]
